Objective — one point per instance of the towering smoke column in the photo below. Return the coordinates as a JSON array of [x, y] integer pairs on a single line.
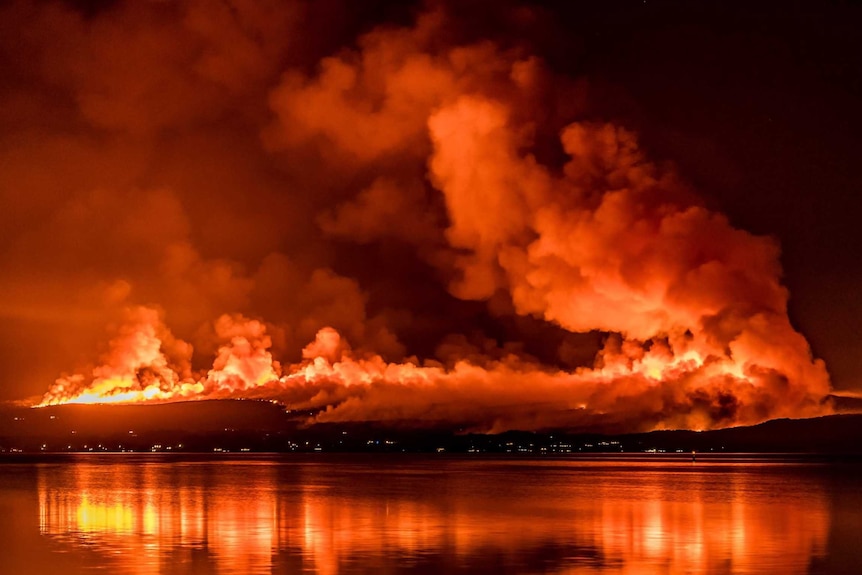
[[432, 144], [614, 244]]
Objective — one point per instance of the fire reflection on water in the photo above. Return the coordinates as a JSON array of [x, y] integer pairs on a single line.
[[265, 517]]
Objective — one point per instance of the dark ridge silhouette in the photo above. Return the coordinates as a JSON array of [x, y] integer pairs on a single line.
[[246, 425]]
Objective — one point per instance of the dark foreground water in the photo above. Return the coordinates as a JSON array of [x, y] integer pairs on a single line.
[[428, 514]]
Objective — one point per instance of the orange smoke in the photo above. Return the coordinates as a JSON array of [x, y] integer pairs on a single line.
[[426, 148]]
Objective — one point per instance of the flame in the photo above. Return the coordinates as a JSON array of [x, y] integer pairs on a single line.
[[667, 383]]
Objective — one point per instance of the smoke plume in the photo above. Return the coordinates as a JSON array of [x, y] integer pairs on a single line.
[[416, 223]]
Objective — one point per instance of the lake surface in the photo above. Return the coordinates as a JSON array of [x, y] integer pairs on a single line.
[[328, 514]]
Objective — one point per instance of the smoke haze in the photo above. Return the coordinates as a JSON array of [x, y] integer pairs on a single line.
[[406, 218]]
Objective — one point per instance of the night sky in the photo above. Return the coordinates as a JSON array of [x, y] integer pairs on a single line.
[[556, 212]]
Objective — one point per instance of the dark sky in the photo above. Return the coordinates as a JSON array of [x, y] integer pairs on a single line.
[[527, 187]]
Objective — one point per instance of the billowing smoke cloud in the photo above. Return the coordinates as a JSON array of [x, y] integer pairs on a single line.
[[366, 229]]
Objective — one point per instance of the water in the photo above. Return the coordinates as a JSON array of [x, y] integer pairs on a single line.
[[329, 514]]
